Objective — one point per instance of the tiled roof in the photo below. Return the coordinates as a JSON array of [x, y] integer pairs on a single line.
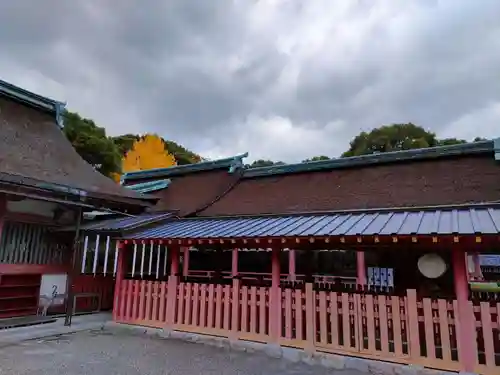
[[481, 220], [431, 182], [34, 150]]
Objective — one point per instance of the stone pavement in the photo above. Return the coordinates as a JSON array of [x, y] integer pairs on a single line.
[[105, 352]]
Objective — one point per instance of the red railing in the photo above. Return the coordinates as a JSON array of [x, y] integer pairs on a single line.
[[318, 279], [401, 329], [100, 285]]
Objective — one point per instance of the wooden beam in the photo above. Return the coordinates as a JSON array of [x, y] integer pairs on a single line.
[[338, 242], [17, 269]]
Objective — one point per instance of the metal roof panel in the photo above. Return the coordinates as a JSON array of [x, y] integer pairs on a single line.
[[484, 220]]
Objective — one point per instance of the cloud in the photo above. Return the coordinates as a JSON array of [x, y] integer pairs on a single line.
[[284, 80]]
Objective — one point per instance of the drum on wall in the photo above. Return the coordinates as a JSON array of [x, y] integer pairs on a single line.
[[432, 265]]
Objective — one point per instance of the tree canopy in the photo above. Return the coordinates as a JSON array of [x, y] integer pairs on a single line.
[[148, 152], [264, 163], [106, 154], [395, 137], [91, 142], [114, 155], [316, 158]]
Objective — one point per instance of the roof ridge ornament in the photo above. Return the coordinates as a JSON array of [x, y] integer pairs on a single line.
[[237, 163]]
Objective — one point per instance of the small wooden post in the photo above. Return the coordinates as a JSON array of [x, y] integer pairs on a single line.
[[361, 268], [185, 262], [275, 308], [466, 332], [172, 286], [291, 265], [120, 276]]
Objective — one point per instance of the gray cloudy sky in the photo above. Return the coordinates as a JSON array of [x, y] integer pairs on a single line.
[[284, 80]]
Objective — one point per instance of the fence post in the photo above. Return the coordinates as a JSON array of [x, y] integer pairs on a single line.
[[235, 310], [120, 275], [172, 287], [310, 318], [360, 268], [465, 322], [275, 308], [413, 330]]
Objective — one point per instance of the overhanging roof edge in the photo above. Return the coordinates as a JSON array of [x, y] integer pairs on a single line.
[[455, 221]]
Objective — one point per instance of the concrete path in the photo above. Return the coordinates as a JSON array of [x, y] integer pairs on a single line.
[[79, 323], [121, 353]]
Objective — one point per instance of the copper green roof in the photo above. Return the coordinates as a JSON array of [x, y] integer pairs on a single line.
[[481, 147], [34, 100], [149, 186], [232, 163]]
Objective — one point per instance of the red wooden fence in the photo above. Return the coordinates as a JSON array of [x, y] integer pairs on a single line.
[[101, 285], [391, 328]]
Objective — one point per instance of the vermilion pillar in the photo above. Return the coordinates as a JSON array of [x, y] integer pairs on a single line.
[[275, 313], [172, 286], [120, 276], [174, 264], [361, 268], [467, 331], [185, 262], [291, 265], [234, 262]]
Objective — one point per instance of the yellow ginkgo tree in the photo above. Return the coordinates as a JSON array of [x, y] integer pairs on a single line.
[[148, 152]]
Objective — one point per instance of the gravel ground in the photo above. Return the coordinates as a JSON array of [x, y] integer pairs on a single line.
[[105, 353]]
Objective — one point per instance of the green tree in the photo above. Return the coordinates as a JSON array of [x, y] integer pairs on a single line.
[[92, 144], [125, 142], [316, 158], [182, 154], [264, 163], [391, 138], [450, 141]]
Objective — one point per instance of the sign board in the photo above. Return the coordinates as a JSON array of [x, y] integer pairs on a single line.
[[381, 276], [489, 260], [54, 285]]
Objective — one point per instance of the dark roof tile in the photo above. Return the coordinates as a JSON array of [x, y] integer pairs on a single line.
[[455, 180], [34, 148]]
